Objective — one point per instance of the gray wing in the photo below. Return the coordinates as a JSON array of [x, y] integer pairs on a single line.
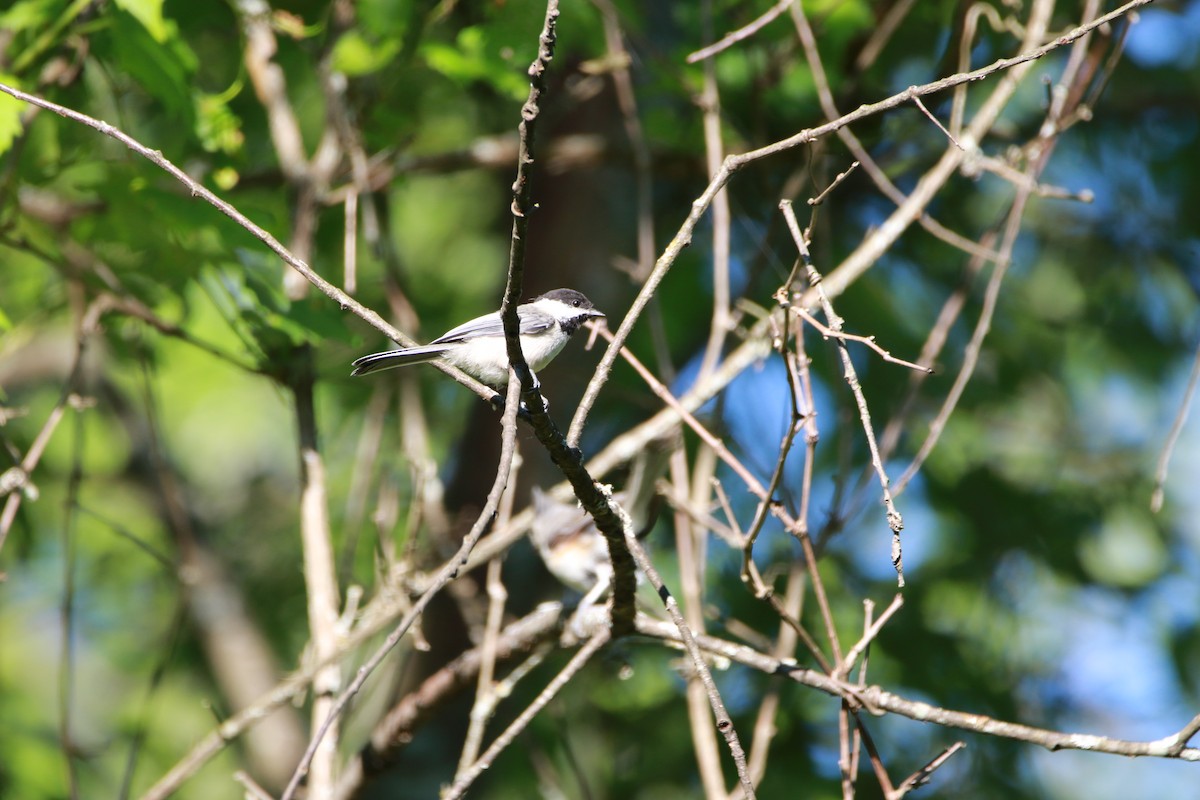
[[531, 321]]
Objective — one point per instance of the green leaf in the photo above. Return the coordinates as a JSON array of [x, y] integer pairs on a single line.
[[28, 14], [474, 58], [10, 115], [165, 68], [150, 14], [354, 55]]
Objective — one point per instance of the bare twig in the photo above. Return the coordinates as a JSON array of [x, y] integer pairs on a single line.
[[868, 636], [1164, 458], [394, 731], [882, 33], [723, 722], [841, 176], [921, 776], [869, 341], [937, 122], [880, 700], [690, 544], [16, 480], [486, 695], [744, 32]]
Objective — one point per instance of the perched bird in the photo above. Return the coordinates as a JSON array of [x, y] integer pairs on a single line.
[[478, 348], [566, 538]]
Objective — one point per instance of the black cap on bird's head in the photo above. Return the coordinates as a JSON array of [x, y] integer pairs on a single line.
[[574, 299]]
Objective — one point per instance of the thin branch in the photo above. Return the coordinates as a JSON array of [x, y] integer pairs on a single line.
[[937, 122], [841, 176], [796, 527], [878, 700], [868, 636], [869, 341], [744, 32], [18, 477], [690, 546], [1164, 457], [577, 662], [785, 645], [320, 578], [877, 765], [723, 722], [486, 696], [882, 33], [921, 776], [628, 445], [394, 731], [722, 216]]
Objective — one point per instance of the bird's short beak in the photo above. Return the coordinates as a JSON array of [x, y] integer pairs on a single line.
[[595, 314]]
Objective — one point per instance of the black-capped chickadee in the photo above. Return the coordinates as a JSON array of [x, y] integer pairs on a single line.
[[566, 537], [478, 349]]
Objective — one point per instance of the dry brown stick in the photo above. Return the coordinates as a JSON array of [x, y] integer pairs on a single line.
[[877, 765], [937, 122], [871, 631], [869, 341]]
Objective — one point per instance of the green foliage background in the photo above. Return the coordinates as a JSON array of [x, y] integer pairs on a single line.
[[1042, 588]]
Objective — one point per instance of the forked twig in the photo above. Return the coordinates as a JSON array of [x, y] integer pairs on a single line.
[[869, 341]]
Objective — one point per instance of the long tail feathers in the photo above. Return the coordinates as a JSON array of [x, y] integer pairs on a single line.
[[389, 359]]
